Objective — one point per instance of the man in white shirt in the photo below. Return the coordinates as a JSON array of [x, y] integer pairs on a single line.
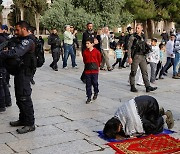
[[68, 47], [105, 49], [170, 54]]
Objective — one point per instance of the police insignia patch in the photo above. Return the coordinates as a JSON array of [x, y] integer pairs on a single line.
[[25, 42]]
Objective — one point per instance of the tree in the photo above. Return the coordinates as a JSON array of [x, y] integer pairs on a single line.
[[38, 7], [167, 10], [35, 7], [110, 12], [63, 12], [143, 11], [21, 4]]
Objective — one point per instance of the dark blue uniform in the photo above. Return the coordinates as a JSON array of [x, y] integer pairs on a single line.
[[25, 52], [56, 48], [5, 97]]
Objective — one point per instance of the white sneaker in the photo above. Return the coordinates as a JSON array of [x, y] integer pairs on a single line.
[[75, 67], [65, 68]]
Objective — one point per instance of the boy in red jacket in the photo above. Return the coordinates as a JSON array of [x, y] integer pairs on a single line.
[[92, 60]]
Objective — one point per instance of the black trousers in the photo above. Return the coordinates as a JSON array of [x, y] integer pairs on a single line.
[[159, 68], [124, 58], [91, 80], [56, 56], [118, 60], [5, 96], [23, 98], [148, 110]]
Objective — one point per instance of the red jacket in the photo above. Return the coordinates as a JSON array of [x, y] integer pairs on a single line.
[[92, 61]]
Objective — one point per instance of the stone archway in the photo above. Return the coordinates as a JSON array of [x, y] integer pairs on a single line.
[[6, 11]]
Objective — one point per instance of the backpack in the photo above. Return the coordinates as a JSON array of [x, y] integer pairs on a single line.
[[39, 52]]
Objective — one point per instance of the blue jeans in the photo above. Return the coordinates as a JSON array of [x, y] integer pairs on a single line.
[[68, 50], [176, 68], [168, 62]]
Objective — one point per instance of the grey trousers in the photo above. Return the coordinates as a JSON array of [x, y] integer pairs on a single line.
[[153, 71], [139, 60], [105, 59]]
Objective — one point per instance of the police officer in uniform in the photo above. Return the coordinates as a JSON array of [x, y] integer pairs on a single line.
[[137, 57], [5, 96], [24, 52], [55, 43]]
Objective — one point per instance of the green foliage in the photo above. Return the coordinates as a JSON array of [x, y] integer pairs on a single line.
[[79, 12], [167, 10], [62, 12], [140, 9]]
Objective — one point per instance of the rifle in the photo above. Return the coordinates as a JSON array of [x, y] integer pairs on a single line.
[[9, 43]]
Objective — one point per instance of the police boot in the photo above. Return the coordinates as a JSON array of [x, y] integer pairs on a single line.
[[26, 129], [16, 123], [133, 89], [149, 88]]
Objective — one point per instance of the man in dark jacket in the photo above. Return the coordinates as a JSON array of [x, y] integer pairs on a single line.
[[130, 31], [137, 117], [89, 33], [56, 48]]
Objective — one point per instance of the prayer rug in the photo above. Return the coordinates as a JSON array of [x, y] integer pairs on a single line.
[[101, 135], [152, 144]]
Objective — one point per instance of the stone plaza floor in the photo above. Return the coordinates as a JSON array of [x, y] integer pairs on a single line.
[[64, 123]]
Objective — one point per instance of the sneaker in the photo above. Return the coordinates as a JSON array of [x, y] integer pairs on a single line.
[[26, 129], [66, 68], [110, 69], [103, 69], [176, 77], [169, 119], [148, 89], [123, 66], [16, 123], [88, 101], [55, 69], [2, 109], [75, 67], [95, 96], [161, 77], [133, 89]]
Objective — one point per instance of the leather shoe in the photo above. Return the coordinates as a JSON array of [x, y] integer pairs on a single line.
[[26, 129], [148, 89], [16, 123]]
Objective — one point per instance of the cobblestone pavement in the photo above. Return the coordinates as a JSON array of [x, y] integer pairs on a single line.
[[64, 123]]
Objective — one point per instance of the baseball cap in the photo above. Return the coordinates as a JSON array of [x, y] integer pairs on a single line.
[[4, 27]]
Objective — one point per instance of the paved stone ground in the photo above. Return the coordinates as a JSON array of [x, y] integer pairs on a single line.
[[64, 123]]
